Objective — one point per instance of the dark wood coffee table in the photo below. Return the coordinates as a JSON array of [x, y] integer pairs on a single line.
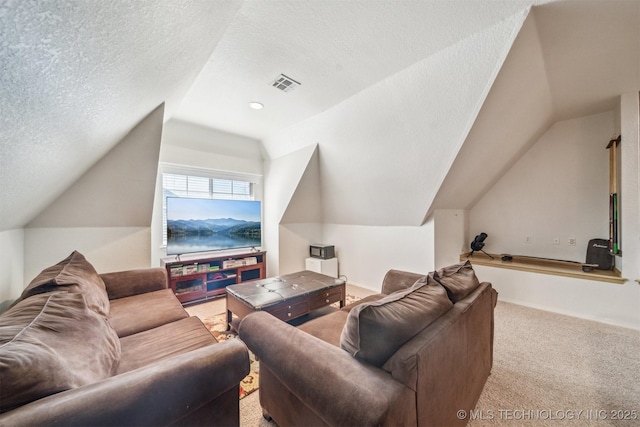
[[286, 297]]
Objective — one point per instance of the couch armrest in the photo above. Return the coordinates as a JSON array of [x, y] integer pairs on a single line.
[[122, 284], [156, 395], [337, 387], [494, 296], [395, 280]]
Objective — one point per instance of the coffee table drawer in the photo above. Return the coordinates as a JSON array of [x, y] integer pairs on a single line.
[[326, 297], [290, 309]]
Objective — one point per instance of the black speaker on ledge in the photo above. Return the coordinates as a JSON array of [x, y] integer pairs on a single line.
[[478, 244]]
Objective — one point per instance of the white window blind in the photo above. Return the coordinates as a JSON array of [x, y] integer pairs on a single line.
[[178, 185]]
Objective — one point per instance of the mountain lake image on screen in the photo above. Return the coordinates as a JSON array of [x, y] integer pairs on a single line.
[[202, 225]]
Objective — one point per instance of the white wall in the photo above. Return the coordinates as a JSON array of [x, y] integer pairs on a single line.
[[190, 147], [106, 213], [516, 112], [106, 239], [11, 265], [382, 156], [601, 301], [190, 144], [281, 179], [366, 253], [106, 248], [450, 236], [385, 150], [301, 222], [630, 186], [559, 188], [117, 191], [294, 241]]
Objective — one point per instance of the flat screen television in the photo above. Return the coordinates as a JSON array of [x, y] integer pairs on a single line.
[[204, 225]]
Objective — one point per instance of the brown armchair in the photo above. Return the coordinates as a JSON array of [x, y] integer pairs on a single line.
[[309, 375]]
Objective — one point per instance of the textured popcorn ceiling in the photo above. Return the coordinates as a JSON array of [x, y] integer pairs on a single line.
[[76, 76], [410, 76], [335, 48]]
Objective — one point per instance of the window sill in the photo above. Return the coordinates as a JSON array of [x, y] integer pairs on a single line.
[[545, 267]]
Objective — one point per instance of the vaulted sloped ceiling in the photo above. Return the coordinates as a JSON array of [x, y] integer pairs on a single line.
[[571, 59], [77, 75], [305, 204], [591, 52], [400, 97], [518, 109], [334, 48], [384, 151], [130, 165]]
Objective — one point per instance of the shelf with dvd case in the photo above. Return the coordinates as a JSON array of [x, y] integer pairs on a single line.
[[200, 277]]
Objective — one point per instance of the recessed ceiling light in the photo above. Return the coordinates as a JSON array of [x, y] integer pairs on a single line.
[[256, 105]]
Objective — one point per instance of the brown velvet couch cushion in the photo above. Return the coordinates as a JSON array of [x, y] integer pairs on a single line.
[[137, 313], [50, 343], [375, 330], [163, 342], [121, 284], [72, 274], [458, 279]]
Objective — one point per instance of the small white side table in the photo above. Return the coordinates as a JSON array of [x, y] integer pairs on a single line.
[[328, 267]]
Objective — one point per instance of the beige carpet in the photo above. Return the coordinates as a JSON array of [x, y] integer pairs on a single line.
[[555, 370], [548, 370]]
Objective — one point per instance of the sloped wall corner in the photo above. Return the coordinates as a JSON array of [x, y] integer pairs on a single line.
[[118, 190], [283, 177]]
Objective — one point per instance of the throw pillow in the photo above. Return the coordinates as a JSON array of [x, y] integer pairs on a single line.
[[72, 274], [374, 331], [50, 343], [459, 280]]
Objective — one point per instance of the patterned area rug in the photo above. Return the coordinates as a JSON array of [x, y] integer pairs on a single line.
[[217, 324]]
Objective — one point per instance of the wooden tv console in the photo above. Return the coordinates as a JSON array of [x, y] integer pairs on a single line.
[[196, 277]]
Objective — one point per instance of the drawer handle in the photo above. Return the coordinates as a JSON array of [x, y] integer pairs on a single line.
[[327, 300], [289, 314], [289, 307]]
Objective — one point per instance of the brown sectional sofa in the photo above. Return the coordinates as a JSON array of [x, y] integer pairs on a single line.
[[416, 354], [79, 348]]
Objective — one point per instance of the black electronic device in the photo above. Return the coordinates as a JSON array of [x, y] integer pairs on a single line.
[[321, 251], [478, 244], [599, 253]]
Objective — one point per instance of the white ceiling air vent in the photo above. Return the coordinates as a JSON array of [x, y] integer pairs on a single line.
[[284, 83]]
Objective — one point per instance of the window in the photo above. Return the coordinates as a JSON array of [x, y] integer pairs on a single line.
[[179, 185]]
